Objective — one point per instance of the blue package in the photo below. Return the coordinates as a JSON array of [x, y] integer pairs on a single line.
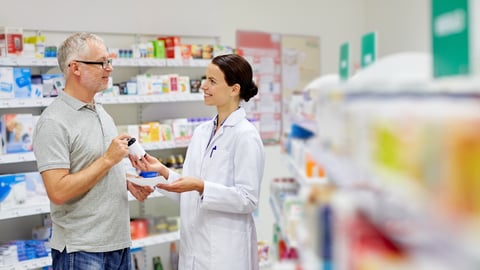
[[6, 183], [22, 87], [148, 174]]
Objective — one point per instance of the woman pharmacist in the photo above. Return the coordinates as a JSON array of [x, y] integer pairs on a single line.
[[220, 186]]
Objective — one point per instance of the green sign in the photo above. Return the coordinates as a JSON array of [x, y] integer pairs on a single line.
[[369, 49], [344, 62], [450, 38]]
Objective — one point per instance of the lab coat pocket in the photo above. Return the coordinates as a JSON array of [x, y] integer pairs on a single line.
[[219, 168], [230, 249]]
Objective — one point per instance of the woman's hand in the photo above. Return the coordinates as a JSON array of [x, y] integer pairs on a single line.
[[146, 164], [183, 184]]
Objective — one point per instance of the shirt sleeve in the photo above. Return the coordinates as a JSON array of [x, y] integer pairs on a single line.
[[50, 145]]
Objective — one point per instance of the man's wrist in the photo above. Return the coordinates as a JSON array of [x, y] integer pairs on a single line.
[[108, 162]]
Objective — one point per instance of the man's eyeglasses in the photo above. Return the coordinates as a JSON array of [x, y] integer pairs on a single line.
[[104, 64]]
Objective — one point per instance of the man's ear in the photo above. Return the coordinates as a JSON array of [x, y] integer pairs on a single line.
[[74, 68]]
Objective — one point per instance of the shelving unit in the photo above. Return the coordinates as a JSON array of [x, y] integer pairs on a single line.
[[17, 61], [397, 149], [144, 108], [44, 207], [30, 264], [144, 242]]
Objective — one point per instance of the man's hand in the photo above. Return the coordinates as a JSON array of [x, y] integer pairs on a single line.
[[117, 150], [139, 192]]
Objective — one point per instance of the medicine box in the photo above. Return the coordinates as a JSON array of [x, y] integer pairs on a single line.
[[6, 83], [16, 83], [172, 46], [18, 132], [183, 84], [22, 83], [207, 51], [159, 49], [186, 51], [52, 84], [221, 49], [37, 85], [11, 41], [196, 51]]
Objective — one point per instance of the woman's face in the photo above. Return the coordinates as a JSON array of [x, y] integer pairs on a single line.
[[216, 91]]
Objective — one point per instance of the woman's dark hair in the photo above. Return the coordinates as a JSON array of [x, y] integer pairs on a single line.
[[237, 70]]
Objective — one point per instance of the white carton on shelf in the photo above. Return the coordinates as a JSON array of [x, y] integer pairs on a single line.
[[35, 188], [6, 83]]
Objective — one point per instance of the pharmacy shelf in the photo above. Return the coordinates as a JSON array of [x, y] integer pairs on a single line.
[[24, 103], [278, 214], [138, 99], [276, 211], [164, 145], [265, 264], [307, 258], [156, 239], [307, 124], [30, 264], [30, 157], [13, 61], [111, 100], [16, 61], [300, 176], [137, 243], [43, 207], [402, 200], [23, 211], [17, 158]]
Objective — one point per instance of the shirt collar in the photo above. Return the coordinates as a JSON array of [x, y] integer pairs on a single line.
[[76, 104]]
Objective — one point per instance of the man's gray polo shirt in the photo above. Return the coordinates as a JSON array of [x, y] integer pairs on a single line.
[[71, 135]]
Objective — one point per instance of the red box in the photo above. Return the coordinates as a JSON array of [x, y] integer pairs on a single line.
[[172, 46], [138, 228], [11, 41]]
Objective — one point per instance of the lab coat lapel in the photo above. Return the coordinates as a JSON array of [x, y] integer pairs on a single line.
[[235, 117]]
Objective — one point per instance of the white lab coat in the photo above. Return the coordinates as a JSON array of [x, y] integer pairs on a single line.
[[217, 230]]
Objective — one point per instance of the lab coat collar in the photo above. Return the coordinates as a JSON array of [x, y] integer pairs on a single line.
[[235, 117]]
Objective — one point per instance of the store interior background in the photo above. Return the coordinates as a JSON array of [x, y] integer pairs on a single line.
[[402, 25]]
